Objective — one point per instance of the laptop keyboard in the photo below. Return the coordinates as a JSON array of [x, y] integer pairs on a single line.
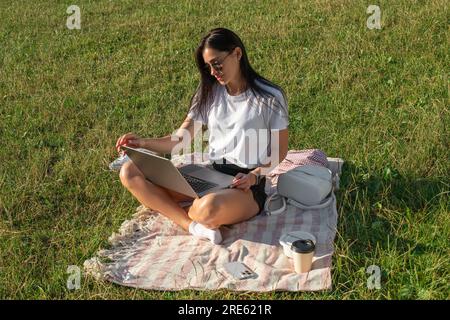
[[198, 185]]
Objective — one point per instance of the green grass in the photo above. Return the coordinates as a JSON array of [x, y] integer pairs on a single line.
[[376, 98]]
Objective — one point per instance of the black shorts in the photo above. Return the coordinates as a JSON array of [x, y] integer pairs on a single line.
[[258, 191]]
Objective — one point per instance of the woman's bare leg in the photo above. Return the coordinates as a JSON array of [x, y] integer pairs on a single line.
[[154, 196], [228, 206], [211, 211]]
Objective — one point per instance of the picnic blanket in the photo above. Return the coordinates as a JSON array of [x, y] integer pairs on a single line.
[[151, 252]]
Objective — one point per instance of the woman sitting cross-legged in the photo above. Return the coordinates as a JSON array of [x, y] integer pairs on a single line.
[[236, 105]]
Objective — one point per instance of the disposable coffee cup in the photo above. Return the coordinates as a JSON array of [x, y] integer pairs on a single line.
[[286, 240], [302, 254]]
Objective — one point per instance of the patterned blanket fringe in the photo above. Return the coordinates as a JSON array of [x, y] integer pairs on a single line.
[[120, 243]]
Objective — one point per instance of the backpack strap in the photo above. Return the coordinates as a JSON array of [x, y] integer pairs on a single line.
[[272, 198]]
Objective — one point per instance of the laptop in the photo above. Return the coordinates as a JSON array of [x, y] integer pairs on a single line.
[[190, 179]]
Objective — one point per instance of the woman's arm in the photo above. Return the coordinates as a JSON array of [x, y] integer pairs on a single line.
[[245, 181], [182, 137], [281, 147], [164, 145]]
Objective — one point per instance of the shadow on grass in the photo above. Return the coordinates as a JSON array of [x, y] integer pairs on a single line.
[[375, 201], [379, 210]]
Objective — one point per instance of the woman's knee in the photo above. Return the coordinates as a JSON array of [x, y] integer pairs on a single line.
[[205, 210], [128, 171]]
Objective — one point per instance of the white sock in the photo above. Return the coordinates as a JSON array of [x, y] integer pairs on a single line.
[[200, 230]]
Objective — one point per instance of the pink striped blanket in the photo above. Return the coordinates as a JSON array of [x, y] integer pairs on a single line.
[[151, 252]]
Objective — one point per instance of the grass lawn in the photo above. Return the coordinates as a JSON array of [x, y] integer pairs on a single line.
[[376, 98]]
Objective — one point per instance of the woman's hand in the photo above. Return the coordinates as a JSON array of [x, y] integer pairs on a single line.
[[243, 181], [130, 140]]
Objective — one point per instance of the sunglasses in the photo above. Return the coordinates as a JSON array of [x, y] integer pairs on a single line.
[[217, 65]]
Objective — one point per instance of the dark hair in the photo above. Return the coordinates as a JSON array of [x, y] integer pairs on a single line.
[[222, 39]]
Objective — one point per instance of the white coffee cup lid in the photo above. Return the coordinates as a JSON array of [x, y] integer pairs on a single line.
[[287, 238]]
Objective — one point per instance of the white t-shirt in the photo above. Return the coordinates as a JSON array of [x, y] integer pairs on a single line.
[[239, 126]]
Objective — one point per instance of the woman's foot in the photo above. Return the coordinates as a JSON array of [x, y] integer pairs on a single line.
[[199, 230]]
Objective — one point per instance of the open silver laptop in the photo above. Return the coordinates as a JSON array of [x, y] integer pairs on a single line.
[[192, 180]]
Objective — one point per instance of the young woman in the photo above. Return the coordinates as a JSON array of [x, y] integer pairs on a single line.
[[231, 99]]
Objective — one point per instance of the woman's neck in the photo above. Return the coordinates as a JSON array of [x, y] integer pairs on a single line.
[[236, 87]]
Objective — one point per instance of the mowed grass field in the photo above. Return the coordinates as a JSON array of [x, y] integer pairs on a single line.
[[376, 98]]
